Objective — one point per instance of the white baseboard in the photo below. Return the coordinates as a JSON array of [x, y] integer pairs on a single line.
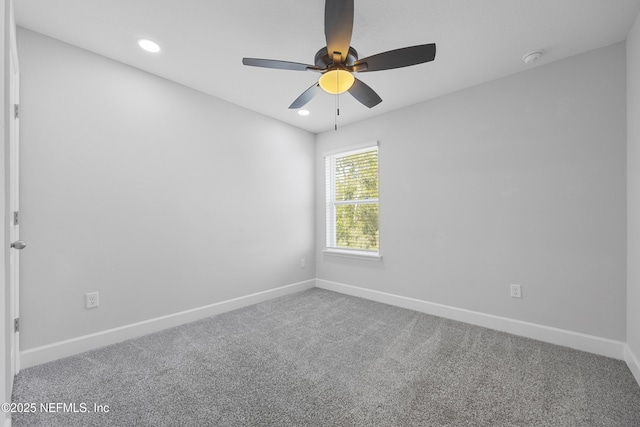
[[633, 362], [575, 340], [58, 350]]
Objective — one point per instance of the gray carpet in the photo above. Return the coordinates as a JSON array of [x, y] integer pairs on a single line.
[[318, 358]]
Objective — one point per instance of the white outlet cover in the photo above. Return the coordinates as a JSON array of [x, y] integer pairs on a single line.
[[516, 291], [92, 300]]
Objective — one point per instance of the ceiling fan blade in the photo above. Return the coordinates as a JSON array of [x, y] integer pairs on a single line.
[[364, 94], [280, 65], [338, 26], [306, 96], [398, 58]]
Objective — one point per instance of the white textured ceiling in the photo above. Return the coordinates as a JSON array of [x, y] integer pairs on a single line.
[[203, 43]]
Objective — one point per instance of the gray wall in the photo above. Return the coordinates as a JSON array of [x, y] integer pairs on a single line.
[[159, 197], [633, 189], [520, 180]]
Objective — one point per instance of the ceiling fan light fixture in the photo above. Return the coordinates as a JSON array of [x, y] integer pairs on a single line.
[[336, 81]]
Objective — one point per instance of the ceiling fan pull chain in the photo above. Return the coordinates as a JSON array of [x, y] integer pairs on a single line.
[[338, 95], [337, 101], [335, 115]]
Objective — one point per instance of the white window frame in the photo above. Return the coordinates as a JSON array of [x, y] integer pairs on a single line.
[[331, 203]]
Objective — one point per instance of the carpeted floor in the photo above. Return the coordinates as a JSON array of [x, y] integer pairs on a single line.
[[319, 358]]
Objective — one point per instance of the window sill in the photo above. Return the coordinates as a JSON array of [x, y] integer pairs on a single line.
[[369, 256]]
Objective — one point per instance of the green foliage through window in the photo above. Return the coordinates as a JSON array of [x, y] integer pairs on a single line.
[[354, 200]]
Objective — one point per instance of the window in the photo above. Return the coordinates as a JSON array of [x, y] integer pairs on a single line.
[[352, 201]]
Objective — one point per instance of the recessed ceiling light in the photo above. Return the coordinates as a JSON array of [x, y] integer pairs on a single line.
[[149, 46], [303, 112]]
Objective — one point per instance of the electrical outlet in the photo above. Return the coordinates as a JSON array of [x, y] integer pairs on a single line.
[[303, 263], [516, 291], [92, 300]]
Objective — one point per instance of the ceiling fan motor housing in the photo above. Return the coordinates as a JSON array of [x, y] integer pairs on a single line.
[[323, 60]]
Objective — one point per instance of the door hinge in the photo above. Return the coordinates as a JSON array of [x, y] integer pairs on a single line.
[[16, 325], [15, 218], [16, 111]]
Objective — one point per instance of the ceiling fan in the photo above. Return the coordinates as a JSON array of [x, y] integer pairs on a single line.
[[338, 60]]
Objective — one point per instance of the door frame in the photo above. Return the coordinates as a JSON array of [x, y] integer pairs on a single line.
[[7, 302], [13, 78]]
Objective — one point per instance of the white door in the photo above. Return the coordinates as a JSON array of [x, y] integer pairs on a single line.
[[14, 200]]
